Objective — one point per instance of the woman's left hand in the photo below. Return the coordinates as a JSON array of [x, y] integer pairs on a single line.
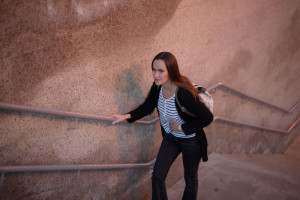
[[175, 127]]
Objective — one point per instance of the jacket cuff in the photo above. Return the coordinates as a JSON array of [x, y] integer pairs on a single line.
[[133, 117]]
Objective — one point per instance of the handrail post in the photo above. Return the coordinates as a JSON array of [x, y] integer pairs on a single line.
[[131, 172], [2, 178], [72, 128], [76, 178]]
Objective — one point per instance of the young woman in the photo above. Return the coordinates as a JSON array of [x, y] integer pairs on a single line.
[[181, 133]]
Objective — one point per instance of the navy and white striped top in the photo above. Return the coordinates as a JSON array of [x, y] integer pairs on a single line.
[[168, 113]]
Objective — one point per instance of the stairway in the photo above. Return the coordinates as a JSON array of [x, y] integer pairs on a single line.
[[247, 177]]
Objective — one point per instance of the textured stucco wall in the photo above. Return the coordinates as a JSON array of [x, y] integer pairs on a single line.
[[94, 57]]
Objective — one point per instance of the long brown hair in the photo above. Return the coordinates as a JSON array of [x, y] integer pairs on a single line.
[[173, 71]]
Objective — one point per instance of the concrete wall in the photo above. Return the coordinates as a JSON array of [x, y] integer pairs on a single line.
[[94, 57]]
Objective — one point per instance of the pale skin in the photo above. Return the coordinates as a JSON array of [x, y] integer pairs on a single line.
[[161, 77]]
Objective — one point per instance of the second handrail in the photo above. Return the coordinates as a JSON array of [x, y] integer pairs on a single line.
[[217, 85], [39, 168]]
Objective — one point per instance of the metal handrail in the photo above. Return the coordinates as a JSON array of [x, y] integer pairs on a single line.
[[43, 168], [222, 85], [52, 168], [222, 119], [39, 168], [35, 168], [22, 108]]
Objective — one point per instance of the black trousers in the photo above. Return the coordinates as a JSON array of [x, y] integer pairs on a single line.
[[169, 150]]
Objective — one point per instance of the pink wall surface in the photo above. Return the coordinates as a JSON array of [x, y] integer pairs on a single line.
[[95, 56]]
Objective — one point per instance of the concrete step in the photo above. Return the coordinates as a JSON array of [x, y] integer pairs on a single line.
[[249, 177]]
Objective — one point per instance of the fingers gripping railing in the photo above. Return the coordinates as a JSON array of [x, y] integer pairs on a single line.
[[21, 108]]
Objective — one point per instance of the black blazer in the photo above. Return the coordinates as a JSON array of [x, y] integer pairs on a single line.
[[193, 124]]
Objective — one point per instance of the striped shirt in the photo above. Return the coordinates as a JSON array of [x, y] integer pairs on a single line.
[[168, 114]]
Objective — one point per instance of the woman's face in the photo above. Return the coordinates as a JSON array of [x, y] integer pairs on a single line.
[[160, 72]]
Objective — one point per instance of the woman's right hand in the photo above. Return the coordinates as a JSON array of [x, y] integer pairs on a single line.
[[120, 118]]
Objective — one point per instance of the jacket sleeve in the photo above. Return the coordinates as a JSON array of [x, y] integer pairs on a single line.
[[203, 115], [147, 107]]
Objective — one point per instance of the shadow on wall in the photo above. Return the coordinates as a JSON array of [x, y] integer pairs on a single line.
[[135, 143], [240, 61], [39, 39], [283, 52], [280, 54]]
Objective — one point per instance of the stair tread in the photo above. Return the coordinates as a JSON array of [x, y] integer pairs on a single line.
[[258, 176]]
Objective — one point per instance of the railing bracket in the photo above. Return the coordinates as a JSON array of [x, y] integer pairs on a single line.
[[76, 178], [2, 178], [245, 100], [225, 125], [131, 172], [151, 168], [228, 93], [152, 128], [213, 91], [130, 129], [72, 128]]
